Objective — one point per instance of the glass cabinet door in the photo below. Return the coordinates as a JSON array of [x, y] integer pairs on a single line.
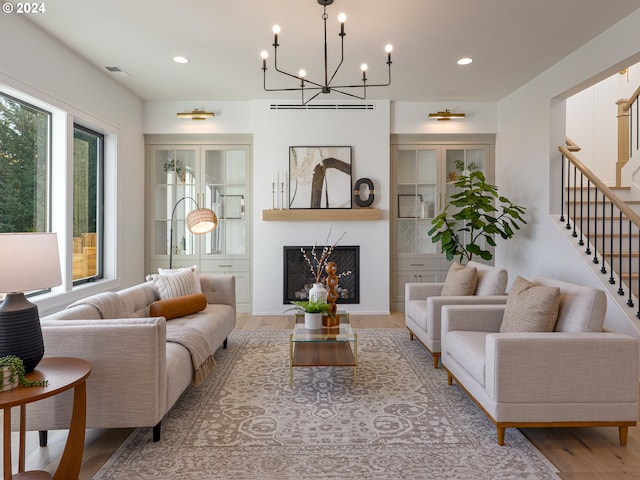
[[174, 187], [417, 194], [225, 192]]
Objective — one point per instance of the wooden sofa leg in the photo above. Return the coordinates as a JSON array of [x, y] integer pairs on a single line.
[[501, 432], [623, 431], [156, 432], [449, 379], [410, 335], [43, 437], [436, 360], [224, 344]]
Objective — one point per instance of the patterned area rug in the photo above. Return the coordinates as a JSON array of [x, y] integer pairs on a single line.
[[402, 421]]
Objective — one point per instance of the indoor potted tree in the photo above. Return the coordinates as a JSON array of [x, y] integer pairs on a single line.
[[475, 213]]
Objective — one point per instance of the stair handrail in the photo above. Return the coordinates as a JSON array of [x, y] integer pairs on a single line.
[[627, 105], [601, 186]]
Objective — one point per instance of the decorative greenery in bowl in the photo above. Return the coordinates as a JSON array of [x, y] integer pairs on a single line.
[[309, 306], [14, 367]]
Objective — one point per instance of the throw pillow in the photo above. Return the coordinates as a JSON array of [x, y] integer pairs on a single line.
[[460, 280], [177, 284], [178, 306], [530, 307], [167, 271]]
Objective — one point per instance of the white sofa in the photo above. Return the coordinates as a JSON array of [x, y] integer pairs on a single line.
[[136, 374], [575, 376], [423, 304]]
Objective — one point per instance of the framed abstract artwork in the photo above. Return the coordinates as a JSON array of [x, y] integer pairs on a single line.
[[320, 177]]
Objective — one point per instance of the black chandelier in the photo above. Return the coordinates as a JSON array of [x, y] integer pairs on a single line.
[[326, 87]]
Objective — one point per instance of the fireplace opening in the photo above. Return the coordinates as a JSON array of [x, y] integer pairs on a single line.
[[298, 279]]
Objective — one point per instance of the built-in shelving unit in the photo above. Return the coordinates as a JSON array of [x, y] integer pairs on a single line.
[[322, 214]]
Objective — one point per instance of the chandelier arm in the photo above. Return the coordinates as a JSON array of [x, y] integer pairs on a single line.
[[304, 103], [363, 97], [368, 85]]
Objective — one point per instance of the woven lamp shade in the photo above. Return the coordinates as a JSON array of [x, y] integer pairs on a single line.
[[201, 220]]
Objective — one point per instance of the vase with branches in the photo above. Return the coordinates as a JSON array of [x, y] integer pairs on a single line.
[[477, 212]]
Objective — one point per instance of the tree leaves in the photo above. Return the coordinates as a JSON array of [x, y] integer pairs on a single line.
[[475, 216]]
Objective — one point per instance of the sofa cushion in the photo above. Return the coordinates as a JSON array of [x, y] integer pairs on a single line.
[[468, 350], [530, 307], [491, 280], [177, 284], [178, 306], [582, 308], [460, 280]]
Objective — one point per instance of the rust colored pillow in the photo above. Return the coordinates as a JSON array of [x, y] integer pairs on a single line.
[[178, 306]]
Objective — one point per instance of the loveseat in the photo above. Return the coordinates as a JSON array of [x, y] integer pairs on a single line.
[[137, 375], [572, 375]]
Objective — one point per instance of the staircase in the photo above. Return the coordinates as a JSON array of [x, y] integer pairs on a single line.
[[605, 220]]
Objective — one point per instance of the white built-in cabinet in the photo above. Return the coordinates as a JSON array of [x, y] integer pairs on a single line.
[[423, 171], [207, 171]]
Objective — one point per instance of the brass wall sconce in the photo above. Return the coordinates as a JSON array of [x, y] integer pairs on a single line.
[[196, 114], [446, 115]]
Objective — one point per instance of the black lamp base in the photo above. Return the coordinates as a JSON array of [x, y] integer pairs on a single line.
[[20, 332]]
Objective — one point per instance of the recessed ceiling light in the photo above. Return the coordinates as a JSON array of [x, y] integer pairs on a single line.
[[465, 61], [181, 59]]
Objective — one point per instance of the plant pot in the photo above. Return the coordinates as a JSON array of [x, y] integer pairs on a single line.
[[6, 383], [312, 321]]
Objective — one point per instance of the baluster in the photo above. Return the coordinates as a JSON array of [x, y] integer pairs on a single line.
[[575, 182], [612, 280], [620, 289], [568, 226], [630, 282], [595, 229], [603, 269], [588, 250], [581, 241], [638, 313], [562, 188]]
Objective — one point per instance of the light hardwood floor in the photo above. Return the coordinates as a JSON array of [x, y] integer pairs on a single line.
[[578, 453]]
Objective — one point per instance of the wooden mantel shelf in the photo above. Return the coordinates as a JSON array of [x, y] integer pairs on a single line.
[[322, 214]]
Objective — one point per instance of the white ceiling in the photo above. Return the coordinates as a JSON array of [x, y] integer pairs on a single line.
[[511, 41]]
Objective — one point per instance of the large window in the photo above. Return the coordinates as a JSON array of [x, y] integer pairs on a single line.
[[25, 134], [87, 204], [28, 162]]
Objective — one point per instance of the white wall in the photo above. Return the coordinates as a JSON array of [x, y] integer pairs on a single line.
[[592, 122], [39, 66], [531, 124], [368, 133]]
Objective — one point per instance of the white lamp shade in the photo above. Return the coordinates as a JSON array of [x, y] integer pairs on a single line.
[[28, 261], [201, 220]]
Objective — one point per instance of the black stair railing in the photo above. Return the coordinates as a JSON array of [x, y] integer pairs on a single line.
[[606, 231]]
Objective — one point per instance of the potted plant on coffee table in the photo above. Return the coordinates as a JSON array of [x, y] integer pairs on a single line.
[[313, 312]]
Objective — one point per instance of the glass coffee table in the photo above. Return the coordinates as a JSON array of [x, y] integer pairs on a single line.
[[325, 347]]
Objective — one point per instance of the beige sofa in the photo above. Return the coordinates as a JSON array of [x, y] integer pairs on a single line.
[[574, 376], [136, 374], [424, 302]]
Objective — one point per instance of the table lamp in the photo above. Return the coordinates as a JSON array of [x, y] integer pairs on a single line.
[[199, 221], [28, 262]]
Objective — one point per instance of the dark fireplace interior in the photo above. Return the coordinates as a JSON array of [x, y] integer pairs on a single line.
[[298, 278]]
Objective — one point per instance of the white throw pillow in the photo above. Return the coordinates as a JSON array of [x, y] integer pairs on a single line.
[[176, 284], [166, 271]]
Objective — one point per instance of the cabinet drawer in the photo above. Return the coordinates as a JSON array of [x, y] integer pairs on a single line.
[[413, 264], [226, 265]]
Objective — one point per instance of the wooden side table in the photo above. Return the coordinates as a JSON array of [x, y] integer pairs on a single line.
[[62, 374]]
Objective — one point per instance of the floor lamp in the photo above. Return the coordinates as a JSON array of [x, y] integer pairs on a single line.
[[199, 221], [28, 262]]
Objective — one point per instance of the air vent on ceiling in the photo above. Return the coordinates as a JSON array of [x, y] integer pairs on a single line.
[[118, 71], [325, 106]]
